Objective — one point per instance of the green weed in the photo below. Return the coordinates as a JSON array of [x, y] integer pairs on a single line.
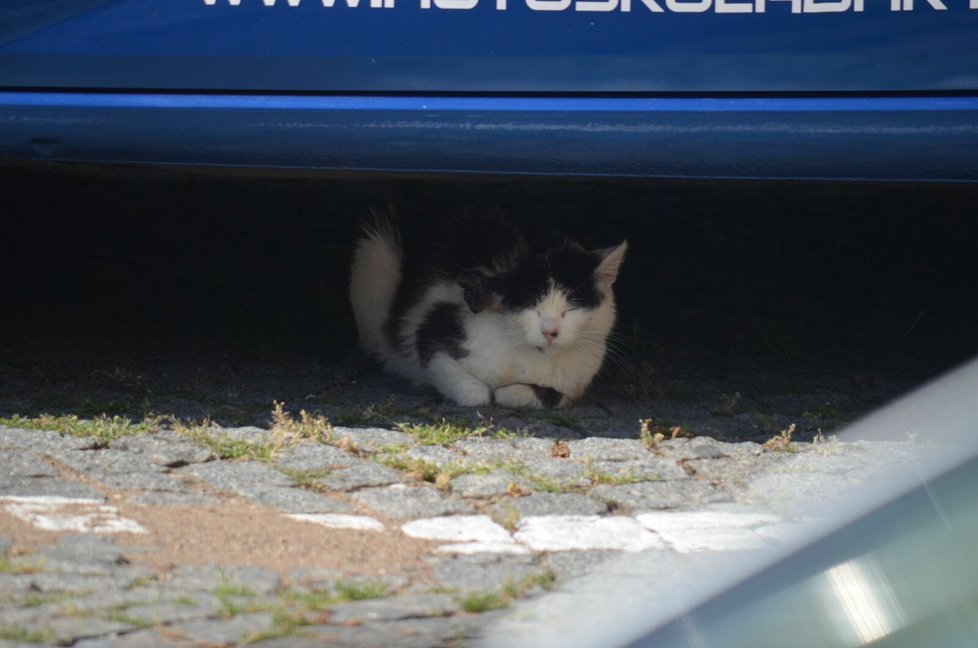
[[18, 634], [360, 591], [510, 591], [104, 428], [8, 566], [479, 602], [782, 442]]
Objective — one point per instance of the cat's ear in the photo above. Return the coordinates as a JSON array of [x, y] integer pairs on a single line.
[[476, 290], [611, 260]]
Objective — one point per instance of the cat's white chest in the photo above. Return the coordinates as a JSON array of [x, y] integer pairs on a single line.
[[497, 356], [491, 350]]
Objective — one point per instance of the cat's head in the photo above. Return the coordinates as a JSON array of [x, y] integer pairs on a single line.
[[557, 297]]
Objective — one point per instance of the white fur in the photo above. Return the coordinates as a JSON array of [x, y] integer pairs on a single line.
[[374, 277], [505, 353]]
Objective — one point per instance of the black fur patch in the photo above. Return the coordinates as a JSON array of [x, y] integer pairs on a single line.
[[444, 248], [571, 268], [475, 290], [441, 330], [549, 397]]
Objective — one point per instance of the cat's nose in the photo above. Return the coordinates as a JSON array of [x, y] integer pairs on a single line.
[[551, 334]]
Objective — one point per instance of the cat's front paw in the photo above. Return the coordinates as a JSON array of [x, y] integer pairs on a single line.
[[471, 394], [521, 396]]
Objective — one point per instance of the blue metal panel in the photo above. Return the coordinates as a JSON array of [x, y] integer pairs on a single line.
[[576, 46], [842, 138]]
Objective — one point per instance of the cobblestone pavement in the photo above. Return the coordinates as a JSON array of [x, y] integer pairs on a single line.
[[295, 532]]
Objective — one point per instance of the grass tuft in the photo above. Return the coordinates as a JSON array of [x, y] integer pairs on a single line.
[[537, 482], [448, 432], [360, 590], [652, 435], [479, 602], [18, 634], [510, 591], [8, 566], [104, 428], [287, 430], [782, 442]]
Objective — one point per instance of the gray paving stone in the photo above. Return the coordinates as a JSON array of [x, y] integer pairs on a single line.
[[572, 564], [336, 582], [175, 610], [647, 469], [42, 441], [361, 474], [223, 631], [406, 633], [108, 461], [371, 439], [264, 485], [403, 501], [407, 606], [81, 605], [78, 583], [559, 473], [18, 465], [481, 486], [599, 449], [26, 615], [311, 457], [84, 547], [483, 572], [70, 629], [240, 477], [437, 455], [207, 578], [147, 638], [167, 498], [49, 486], [14, 585], [166, 448], [533, 447], [305, 640], [706, 448], [549, 504], [485, 452], [787, 493], [314, 578], [650, 496], [139, 481], [248, 434], [729, 471], [295, 500]]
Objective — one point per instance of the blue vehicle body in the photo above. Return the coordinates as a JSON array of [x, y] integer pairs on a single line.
[[840, 89]]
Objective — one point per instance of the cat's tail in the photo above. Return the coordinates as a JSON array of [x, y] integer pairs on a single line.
[[374, 278]]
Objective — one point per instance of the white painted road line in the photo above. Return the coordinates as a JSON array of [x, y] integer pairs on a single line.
[[458, 528], [583, 532], [51, 513], [339, 521]]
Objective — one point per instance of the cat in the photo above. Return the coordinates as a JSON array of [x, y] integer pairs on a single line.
[[467, 305]]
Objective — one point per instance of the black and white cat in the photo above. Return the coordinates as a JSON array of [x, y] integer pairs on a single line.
[[468, 306]]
